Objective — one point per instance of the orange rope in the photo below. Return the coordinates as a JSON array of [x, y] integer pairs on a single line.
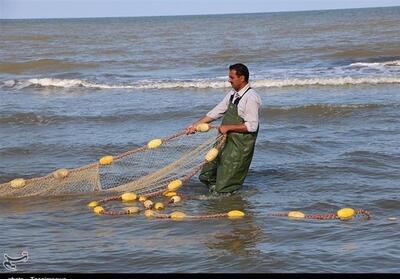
[[191, 217], [328, 216]]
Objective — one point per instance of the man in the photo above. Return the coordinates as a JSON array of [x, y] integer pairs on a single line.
[[240, 110]]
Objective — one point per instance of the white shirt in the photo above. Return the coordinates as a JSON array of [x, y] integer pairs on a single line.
[[248, 107]]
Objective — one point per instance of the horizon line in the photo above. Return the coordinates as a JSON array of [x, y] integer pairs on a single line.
[[212, 14]]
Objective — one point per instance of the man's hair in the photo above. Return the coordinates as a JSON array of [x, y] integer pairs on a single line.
[[241, 70]]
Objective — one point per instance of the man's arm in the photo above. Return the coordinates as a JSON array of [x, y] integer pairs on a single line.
[[236, 128], [216, 113]]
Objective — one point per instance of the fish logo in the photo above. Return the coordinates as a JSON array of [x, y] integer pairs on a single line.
[[10, 262]]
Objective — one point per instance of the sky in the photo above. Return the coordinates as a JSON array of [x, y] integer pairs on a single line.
[[13, 9]]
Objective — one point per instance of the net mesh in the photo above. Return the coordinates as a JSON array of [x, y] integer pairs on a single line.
[[142, 170]]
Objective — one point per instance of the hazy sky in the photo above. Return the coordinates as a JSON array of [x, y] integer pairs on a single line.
[[115, 8]]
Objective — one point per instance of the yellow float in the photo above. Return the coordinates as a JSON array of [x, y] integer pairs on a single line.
[[169, 194], [106, 160], [18, 183], [204, 127], [148, 204], [93, 204], [159, 206], [128, 197], [346, 213], [149, 213], [177, 215], [174, 185], [61, 173], [98, 209], [175, 199], [235, 214], [211, 155], [132, 210], [296, 215], [154, 143]]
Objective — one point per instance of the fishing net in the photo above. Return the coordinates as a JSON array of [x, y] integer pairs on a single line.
[[143, 170]]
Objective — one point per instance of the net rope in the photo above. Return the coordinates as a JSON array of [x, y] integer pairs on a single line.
[[142, 170]]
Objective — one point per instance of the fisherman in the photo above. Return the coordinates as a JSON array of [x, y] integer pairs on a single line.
[[240, 122]]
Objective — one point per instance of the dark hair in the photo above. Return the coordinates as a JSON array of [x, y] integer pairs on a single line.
[[241, 70]]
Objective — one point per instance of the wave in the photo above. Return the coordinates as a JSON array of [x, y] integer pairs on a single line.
[[394, 63], [314, 110], [42, 65], [384, 50], [310, 110], [57, 149], [200, 84], [32, 118], [35, 37]]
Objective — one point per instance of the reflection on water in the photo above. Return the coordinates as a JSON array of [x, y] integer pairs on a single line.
[[242, 236]]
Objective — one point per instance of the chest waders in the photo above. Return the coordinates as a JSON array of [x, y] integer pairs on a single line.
[[227, 172]]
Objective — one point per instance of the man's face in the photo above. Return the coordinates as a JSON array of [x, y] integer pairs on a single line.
[[235, 80]]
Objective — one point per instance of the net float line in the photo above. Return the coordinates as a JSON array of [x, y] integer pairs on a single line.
[[163, 140], [178, 215], [342, 214]]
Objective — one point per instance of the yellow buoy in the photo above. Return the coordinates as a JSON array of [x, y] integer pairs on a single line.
[[177, 215], [235, 214], [346, 213], [93, 204], [18, 183], [148, 204], [61, 173], [106, 160], [98, 209], [169, 194], [129, 196], [142, 198], [204, 127], [175, 199], [154, 143], [159, 206], [211, 155], [132, 210], [149, 213], [296, 215], [174, 185]]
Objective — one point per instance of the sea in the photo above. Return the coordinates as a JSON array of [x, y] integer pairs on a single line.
[[72, 90]]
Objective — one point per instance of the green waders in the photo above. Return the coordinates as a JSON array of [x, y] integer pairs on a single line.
[[227, 172]]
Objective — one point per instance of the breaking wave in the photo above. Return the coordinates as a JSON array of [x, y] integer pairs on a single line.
[[199, 84]]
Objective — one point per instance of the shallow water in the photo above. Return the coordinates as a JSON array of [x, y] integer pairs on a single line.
[[328, 138]]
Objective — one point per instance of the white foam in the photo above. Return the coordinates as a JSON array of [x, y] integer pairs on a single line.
[[205, 84], [66, 83], [334, 81], [9, 83], [395, 63]]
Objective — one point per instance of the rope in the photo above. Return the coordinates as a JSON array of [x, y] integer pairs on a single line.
[[191, 217], [327, 216]]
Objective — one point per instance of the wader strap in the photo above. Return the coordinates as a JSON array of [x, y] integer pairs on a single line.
[[238, 99]]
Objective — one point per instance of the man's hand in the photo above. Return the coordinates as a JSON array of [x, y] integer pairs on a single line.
[[191, 129], [223, 129], [233, 128]]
